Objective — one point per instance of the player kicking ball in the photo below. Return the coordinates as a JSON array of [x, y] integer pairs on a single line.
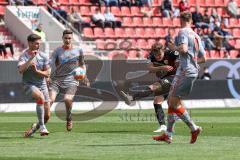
[[34, 67], [191, 52], [162, 62]]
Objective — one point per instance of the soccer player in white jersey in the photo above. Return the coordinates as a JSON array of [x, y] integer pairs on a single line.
[[34, 66], [66, 58], [191, 52]]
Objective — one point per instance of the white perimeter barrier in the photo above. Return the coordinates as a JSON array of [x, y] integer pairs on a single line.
[[84, 106]]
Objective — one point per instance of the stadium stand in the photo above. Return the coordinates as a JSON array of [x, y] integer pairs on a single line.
[[144, 30]]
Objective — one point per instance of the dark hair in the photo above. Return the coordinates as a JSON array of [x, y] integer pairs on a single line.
[[186, 16], [67, 31], [33, 37], [156, 48]]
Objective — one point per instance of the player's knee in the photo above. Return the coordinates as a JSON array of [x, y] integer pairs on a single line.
[[158, 100], [40, 101]]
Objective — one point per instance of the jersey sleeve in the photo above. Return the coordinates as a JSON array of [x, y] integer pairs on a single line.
[[182, 38], [53, 57], [22, 59], [46, 62]]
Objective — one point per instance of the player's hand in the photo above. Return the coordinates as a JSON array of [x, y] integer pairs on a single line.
[[34, 67], [167, 68], [33, 54], [86, 82]]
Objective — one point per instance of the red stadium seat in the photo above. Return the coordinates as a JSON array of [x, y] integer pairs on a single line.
[[237, 44], [236, 32], [151, 42], [88, 32], [140, 32], [192, 2], [137, 21], [109, 32], [63, 2], [200, 2], [129, 32], [2, 9], [98, 32], [141, 43], [233, 22], [74, 2], [210, 3], [85, 10], [125, 11], [116, 11], [167, 21], [157, 21], [150, 32], [133, 43], [127, 21], [234, 53], [160, 32], [100, 44], [119, 32], [176, 22], [135, 11], [219, 3], [132, 54], [147, 21]]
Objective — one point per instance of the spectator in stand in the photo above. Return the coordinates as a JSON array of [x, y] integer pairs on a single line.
[[22, 2], [125, 3], [137, 3], [110, 19], [206, 39], [214, 15], [197, 18], [147, 3], [167, 8], [170, 37], [232, 9], [221, 37], [40, 32], [206, 75], [77, 20], [206, 17], [53, 7], [110, 2], [98, 18], [4, 45], [183, 6]]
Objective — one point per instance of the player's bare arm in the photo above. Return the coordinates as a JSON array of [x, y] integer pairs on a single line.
[[22, 68], [182, 48], [43, 73], [153, 69]]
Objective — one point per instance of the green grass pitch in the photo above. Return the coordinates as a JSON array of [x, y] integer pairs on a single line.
[[122, 135]]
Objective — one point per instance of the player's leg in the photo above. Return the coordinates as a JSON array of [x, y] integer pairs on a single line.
[[158, 100], [181, 87], [68, 99], [39, 97], [142, 91]]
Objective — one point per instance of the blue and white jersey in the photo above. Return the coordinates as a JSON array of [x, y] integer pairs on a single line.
[[188, 61], [41, 60], [66, 60]]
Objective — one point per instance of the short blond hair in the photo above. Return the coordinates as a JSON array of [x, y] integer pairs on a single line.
[[186, 16]]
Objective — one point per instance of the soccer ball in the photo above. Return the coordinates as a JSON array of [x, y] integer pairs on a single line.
[[79, 73]]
